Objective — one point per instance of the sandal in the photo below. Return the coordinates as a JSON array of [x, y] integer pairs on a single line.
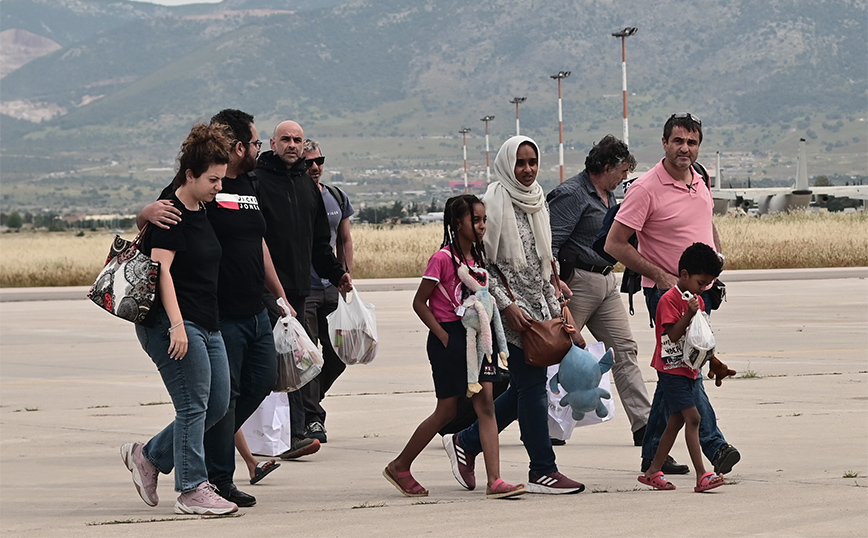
[[263, 468], [502, 490], [405, 483], [657, 481], [709, 481]]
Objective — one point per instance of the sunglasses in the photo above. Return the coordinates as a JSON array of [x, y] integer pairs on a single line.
[[686, 116], [319, 161]]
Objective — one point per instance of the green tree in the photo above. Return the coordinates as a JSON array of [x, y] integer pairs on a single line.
[[14, 221], [822, 181]]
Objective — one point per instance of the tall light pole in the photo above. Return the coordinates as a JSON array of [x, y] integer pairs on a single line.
[[560, 76], [487, 119], [517, 100], [624, 34], [464, 136]]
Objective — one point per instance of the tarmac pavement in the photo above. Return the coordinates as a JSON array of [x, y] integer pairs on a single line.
[[75, 385]]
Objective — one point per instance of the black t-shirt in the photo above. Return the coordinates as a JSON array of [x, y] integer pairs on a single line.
[[195, 266], [240, 227]]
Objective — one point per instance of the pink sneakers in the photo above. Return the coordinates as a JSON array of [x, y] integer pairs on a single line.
[[144, 473], [204, 500]]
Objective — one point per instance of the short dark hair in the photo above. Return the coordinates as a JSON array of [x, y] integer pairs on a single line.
[[688, 121], [611, 152], [700, 259], [238, 122]]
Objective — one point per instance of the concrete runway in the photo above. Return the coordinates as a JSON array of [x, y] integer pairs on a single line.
[[75, 385]]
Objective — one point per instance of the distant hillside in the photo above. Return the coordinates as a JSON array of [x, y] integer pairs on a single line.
[[130, 77]]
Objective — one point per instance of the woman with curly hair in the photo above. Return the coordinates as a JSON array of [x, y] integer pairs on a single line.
[[181, 333]]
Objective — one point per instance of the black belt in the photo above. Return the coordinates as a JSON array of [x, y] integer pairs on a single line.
[[602, 269]]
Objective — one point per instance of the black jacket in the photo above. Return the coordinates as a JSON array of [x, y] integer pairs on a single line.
[[298, 229]]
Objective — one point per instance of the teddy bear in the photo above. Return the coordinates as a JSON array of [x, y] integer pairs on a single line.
[[480, 315], [579, 374], [718, 370]]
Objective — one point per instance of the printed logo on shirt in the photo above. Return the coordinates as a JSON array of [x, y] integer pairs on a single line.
[[671, 353], [236, 201]]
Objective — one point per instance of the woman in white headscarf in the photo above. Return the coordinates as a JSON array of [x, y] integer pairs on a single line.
[[518, 243]]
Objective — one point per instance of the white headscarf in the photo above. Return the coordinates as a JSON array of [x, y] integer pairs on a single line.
[[502, 243]]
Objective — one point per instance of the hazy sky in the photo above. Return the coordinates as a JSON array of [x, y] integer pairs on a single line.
[[179, 2]]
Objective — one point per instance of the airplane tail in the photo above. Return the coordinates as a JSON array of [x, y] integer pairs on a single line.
[[802, 169]]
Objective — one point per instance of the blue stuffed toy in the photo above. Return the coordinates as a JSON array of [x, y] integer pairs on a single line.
[[580, 375]]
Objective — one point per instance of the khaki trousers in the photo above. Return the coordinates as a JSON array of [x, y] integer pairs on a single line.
[[596, 304]]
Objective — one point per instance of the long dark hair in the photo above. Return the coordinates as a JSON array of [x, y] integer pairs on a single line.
[[456, 209]]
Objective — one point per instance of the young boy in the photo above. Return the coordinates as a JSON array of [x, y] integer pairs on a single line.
[[698, 267]]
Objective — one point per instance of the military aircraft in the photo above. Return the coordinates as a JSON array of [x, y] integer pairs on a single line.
[[781, 199]]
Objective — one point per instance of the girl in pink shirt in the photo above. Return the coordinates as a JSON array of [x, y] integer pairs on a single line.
[[440, 310]]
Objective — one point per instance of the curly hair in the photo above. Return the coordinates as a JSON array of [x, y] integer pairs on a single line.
[[700, 259], [238, 123], [611, 152], [206, 145]]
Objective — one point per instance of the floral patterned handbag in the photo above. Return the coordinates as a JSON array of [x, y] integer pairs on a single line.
[[127, 285]]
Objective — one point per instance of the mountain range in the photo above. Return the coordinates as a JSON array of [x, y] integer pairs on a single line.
[[387, 83]]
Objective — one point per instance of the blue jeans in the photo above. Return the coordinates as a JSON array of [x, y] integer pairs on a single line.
[[199, 387], [710, 436], [527, 401], [252, 375]]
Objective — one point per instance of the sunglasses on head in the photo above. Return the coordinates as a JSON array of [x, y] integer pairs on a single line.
[[686, 116], [319, 161]]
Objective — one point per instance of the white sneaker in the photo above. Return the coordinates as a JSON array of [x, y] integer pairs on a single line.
[[204, 500]]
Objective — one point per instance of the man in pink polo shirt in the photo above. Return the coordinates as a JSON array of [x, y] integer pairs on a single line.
[[669, 208]]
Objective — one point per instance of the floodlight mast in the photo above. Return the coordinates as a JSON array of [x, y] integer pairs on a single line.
[[560, 76], [624, 34], [487, 119], [517, 100], [464, 137]]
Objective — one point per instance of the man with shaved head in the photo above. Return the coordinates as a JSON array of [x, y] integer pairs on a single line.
[[298, 237]]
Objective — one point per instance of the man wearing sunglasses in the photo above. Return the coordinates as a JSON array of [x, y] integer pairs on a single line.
[[298, 237], [323, 298], [669, 208]]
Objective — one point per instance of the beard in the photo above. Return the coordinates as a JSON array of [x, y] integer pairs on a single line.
[[249, 162]]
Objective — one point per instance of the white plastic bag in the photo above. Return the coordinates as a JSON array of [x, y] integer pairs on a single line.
[[353, 329], [267, 429], [698, 342], [561, 421], [298, 359]]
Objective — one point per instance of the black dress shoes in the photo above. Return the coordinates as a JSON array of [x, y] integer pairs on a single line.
[[670, 466], [232, 494]]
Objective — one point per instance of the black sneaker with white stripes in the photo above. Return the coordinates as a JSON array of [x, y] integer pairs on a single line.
[[553, 484]]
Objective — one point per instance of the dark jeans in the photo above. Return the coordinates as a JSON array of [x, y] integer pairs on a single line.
[[526, 401], [318, 305], [252, 374], [710, 436]]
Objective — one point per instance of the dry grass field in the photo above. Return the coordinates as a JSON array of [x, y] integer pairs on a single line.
[[771, 242]]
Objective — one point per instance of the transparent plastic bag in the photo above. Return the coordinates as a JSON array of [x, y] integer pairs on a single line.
[[298, 359], [353, 329], [699, 342]]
